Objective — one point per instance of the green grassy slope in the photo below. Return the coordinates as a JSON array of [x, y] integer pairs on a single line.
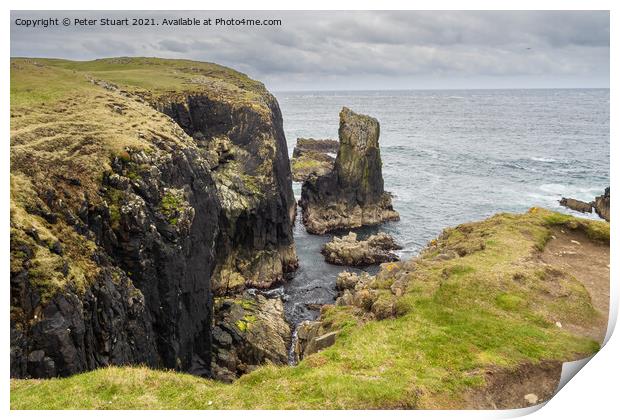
[[493, 306]]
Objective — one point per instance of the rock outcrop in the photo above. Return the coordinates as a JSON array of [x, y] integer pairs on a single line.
[[125, 222], [602, 203], [249, 330], [313, 157], [576, 205], [348, 250], [312, 337], [352, 194]]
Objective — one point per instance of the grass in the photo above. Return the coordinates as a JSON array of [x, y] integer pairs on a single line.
[[66, 130], [494, 306]]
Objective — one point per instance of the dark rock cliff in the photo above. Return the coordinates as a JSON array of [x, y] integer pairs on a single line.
[[123, 227], [352, 194], [251, 171]]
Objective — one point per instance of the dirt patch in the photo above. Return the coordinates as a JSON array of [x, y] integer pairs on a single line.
[[588, 261], [568, 251], [527, 384]]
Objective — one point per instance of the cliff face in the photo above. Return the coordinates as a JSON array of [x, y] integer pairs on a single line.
[[124, 221], [253, 181], [351, 195]]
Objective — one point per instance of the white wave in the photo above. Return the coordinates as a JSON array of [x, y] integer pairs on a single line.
[[542, 159], [572, 191]]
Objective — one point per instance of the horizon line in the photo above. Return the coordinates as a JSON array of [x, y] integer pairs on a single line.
[[434, 89]]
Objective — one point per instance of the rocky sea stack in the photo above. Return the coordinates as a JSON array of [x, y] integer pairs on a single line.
[[352, 194]]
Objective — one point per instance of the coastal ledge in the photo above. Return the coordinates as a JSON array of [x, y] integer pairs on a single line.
[[313, 157], [515, 295]]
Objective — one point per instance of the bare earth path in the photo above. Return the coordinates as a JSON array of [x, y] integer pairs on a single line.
[[573, 252], [587, 260]]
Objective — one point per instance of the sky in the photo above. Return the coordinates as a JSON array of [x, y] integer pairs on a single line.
[[354, 50]]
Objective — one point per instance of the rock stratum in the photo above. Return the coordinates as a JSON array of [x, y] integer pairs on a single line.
[[352, 194], [141, 189]]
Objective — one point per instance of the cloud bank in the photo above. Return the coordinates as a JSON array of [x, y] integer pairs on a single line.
[[356, 50]]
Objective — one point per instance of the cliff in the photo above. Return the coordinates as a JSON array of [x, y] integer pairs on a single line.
[[140, 188], [352, 194], [482, 318]]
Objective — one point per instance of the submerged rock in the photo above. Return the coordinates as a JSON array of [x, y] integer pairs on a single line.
[[249, 330], [602, 203], [313, 158], [352, 194], [348, 250]]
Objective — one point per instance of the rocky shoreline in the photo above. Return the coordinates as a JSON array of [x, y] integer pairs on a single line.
[[600, 205]]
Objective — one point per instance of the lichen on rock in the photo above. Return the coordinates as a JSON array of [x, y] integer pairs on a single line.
[[250, 330]]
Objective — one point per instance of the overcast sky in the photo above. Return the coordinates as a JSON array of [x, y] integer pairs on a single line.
[[356, 50]]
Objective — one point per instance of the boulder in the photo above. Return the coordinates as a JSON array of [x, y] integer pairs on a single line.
[[602, 203], [348, 250], [312, 338], [352, 194], [249, 330]]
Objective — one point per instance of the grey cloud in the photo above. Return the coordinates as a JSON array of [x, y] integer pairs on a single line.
[[391, 49]]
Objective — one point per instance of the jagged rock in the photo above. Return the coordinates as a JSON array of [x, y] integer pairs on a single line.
[[249, 330], [602, 204], [312, 338], [252, 174], [313, 158], [121, 234], [347, 280], [577, 205], [352, 194], [348, 250]]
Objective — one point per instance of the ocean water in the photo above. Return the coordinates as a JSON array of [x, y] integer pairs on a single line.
[[455, 156]]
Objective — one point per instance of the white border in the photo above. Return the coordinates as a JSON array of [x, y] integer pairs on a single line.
[[592, 394]]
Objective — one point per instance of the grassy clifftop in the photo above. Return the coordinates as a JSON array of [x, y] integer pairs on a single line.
[[480, 297], [38, 80], [70, 120]]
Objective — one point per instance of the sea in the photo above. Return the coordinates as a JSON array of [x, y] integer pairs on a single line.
[[454, 156]]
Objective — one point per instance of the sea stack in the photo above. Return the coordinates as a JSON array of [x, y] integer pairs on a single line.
[[352, 194]]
